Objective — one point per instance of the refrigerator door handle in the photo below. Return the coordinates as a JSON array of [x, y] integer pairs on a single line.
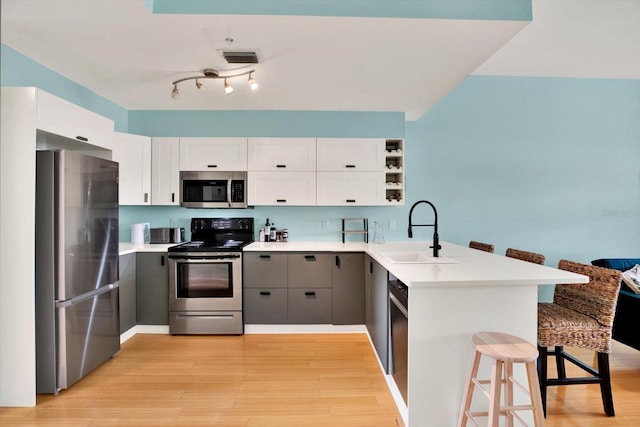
[[88, 295]]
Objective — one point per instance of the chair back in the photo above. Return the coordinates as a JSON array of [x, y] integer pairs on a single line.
[[487, 247], [525, 256], [596, 299]]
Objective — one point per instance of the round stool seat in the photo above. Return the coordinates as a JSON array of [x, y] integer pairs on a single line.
[[505, 347]]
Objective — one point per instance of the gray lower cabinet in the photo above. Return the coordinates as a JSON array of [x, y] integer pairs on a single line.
[[377, 311], [293, 288], [127, 293], [152, 288], [347, 277]]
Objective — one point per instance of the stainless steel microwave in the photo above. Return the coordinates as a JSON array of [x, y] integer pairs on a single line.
[[213, 189]]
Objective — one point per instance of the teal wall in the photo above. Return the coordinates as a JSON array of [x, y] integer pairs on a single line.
[[516, 10]]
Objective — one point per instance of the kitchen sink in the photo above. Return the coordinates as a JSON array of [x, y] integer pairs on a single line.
[[417, 258]]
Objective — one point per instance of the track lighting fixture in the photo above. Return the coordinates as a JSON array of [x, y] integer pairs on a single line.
[[209, 73]]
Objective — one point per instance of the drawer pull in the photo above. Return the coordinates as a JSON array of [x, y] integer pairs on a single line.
[[265, 256], [281, 200], [351, 200], [310, 258], [212, 166], [350, 166], [281, 166], [266, 293], [310, 294]]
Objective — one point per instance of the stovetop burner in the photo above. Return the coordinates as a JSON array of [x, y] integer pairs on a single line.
[[217, 234]]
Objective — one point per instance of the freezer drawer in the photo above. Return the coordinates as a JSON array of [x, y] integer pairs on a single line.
[[88, 334]]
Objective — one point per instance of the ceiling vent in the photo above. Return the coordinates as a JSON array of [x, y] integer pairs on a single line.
[[235, 57]]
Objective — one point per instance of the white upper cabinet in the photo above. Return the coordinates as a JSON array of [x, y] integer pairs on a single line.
[[57, 116], [350, 188], [281, 188], [282, 154], [165, 171], [351, 154], [213, 154], [133, 153]]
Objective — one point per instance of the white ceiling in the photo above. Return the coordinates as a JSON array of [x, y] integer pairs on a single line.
[[123, 52]]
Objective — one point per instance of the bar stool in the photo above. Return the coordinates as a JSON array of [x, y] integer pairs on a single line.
[[487, 247], [504, 350]]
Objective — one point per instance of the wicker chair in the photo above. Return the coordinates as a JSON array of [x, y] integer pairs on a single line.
[[481, 246], [581, 316], [525, 256]]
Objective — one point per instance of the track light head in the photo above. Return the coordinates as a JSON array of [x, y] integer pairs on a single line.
[[200, 86], [174, 93], [228, 89], [253, 84]]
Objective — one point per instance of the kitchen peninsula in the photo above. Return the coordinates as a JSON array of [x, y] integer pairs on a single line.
[[450, 299]]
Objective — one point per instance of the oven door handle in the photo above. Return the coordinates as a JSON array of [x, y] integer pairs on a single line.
[[204, 259]]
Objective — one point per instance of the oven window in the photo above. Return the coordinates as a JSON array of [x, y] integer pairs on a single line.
[[213, 280]]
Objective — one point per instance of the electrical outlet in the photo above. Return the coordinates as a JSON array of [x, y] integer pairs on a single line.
[[325, 223], [392, 225]]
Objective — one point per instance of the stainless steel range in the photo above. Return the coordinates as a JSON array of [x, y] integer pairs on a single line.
[[205, 277]]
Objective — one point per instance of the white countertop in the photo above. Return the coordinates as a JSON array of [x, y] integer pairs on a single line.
[[471, 266], [129, 248]]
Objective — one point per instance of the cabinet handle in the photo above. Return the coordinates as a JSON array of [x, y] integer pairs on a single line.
[[212, 166], [309, 257], [281, 166], [162, 260], [370, 267], [146, 197], [173, 197], [281, 200], [350, 166], [310, 294], [82, 138], [351, 200], [265, 256], [338, 261], [266, 293]]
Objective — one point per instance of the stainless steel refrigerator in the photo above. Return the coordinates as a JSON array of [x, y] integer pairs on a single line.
[[77, 311]]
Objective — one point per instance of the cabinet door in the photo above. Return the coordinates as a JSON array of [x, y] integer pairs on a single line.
[[309, 306], [213, 154], [350, 188], [309, 270], [127, 295], [348, 289], [368, 295], [290, 154], [60, 117], [133, 153], [265, 305], [152, 288], [379, 311], [264, 270], [165, 171], [351, 154], [281, 188]]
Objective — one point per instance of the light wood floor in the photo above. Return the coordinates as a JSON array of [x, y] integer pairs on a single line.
[[304, 380], [300, 380]]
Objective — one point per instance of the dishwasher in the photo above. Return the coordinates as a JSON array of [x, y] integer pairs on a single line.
[[399, 329]]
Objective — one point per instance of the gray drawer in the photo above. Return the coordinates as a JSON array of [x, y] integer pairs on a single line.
[[265, 306], [311, 305], [264, 270], [309, 270]]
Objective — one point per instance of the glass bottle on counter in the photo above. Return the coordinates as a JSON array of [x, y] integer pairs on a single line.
[[267, 231]]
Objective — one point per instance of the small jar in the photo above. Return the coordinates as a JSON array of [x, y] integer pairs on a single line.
[[285, 235]]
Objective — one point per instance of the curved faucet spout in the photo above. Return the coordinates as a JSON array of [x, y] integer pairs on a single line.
[[436, 240]]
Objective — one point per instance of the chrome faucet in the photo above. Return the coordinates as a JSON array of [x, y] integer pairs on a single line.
[[436, 240]]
